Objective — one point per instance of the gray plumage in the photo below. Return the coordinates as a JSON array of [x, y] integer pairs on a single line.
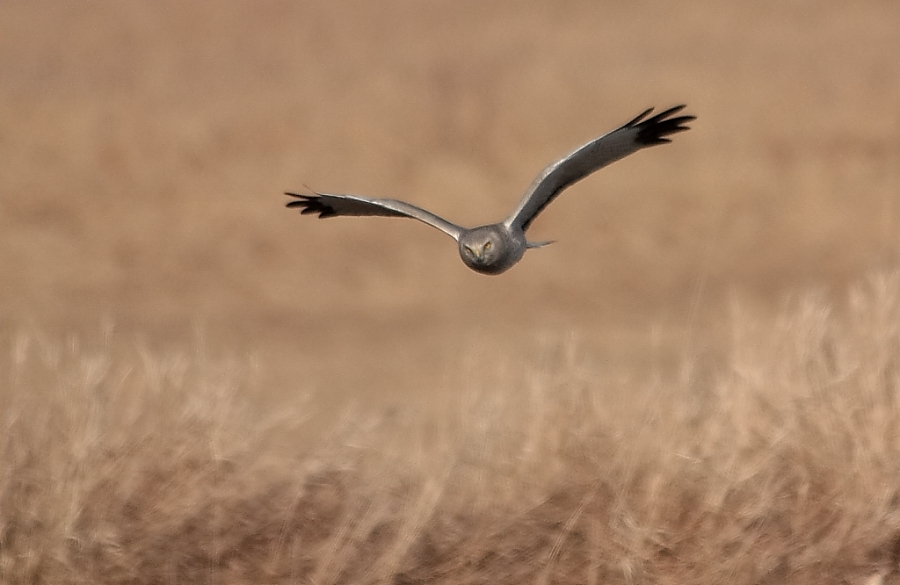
[[494, 248]]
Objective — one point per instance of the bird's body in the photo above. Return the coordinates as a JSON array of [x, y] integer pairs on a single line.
[[495, 248], [492, 249]]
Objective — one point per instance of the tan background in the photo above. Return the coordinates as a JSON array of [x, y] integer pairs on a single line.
[[145, 147]]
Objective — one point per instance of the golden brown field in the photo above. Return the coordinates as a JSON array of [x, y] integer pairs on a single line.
[[696, 384]]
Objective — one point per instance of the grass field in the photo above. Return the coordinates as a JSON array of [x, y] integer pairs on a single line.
[[201, 386], [779, 466]]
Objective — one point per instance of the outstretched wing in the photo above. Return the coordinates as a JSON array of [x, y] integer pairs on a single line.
[[633, 136], [331, 205]]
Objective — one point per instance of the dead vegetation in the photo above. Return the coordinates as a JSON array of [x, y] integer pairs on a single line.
[[778, 466]]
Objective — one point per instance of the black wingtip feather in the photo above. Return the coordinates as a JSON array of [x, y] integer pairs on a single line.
[[654, 130], [638, 118], [310, 204]]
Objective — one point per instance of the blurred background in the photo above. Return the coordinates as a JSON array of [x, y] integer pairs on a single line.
[[145, 147]]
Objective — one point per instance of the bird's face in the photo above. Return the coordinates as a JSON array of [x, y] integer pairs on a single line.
[[483, 250]]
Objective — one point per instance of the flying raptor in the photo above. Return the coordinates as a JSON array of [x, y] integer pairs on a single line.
[[495, 248]]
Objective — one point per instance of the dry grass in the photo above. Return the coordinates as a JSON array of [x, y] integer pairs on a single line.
[[778, 466]]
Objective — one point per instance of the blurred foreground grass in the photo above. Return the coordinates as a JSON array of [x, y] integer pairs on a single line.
[[778, 465]]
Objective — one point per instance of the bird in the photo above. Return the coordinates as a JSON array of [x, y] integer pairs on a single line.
[[495, 248]]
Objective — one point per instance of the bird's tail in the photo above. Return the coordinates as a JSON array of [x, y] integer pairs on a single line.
[[538, 244]]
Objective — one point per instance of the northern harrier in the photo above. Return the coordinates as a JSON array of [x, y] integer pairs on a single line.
[[494, 248]]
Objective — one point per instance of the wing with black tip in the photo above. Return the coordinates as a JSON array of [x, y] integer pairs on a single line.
[[332, 205], [641, 132]]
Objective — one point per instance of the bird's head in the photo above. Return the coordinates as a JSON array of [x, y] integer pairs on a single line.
[[484, 250]]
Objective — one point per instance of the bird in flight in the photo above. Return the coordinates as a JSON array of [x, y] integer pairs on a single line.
[[495, 248]]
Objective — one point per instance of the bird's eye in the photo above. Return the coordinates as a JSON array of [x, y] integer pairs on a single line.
[[487, 246], [469, 251]]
